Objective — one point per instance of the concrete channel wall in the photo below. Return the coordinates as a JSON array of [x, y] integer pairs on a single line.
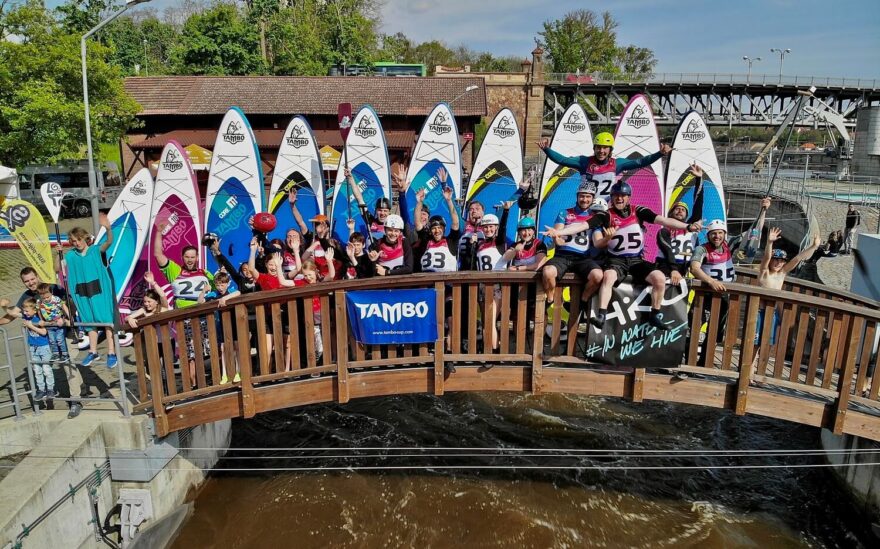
[[863, 481], [61, 453]]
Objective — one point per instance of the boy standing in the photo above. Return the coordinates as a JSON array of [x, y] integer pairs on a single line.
[[38, 345], [53, 313]]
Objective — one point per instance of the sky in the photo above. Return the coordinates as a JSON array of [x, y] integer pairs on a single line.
[[837, 38]]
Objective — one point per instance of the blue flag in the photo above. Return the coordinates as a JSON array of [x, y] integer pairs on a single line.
[[393, 317]]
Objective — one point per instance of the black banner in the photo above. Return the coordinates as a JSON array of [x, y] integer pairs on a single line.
[[628, 340]]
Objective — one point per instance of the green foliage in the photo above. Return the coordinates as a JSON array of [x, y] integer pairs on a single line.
[[79, 16], [635, 60], [41, 111], [218, 41]]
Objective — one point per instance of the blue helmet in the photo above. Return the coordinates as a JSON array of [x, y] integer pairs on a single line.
[[621, 188], [526, 223], [779, 254]]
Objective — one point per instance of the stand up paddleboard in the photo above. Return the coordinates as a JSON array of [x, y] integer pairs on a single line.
[[130, 222], [176, 201], [559, 184], [298, 168], [367, 155], [235, 188], [636, 137], [692, 143], [498, 169], [437, 147]]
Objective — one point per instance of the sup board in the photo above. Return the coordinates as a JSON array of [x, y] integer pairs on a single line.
[[559, 184], [636, 137], [437, 147], [298, 167], [176, 201], [235, 188], [498, 169], [692, 143], [129, 219], [367, 156]]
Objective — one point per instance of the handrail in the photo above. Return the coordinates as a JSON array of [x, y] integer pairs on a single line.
[[710, 78], [820, 354], [801, 286]]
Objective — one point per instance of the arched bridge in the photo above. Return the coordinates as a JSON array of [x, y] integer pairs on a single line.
[[817, 374]]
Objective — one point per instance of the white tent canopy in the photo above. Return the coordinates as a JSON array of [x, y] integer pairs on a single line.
[[8, 180]]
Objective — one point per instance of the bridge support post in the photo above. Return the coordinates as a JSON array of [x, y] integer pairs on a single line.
[[638, 384], [538, 338], [159, 415], [746, 353], [342, 391], [845, 379], [248, 408], [439, 347]]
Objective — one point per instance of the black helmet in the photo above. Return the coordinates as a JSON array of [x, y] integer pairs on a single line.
[[383, 203], [436, 221], [621, 188]]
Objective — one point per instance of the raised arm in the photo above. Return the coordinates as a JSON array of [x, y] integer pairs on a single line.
[[105, 222], [158, 247], [773, 236], [291, 198], [417, 212], [355, 188], [806, 254], [252, 260]]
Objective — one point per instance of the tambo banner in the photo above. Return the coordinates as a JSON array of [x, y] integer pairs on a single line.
[[393, 317], [26, 225], [628, 340]]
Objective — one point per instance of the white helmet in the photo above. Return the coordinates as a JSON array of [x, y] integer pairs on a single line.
[[599, 205], [489, 219], [716, 225], [394, 221]]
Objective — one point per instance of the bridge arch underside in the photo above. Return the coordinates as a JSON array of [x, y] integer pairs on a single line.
[[713, 392], [813, 365]]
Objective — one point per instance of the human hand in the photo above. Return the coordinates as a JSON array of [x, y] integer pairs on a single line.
[[675, 278], [697, 226], [381, 271], [132, 322], [665, 149], [551, 232], [222, 301], [291, 196], [765, 203], [442, 175], [420, 195], [508, 204], [349, 250], [817, 240], [350, 224], [447, 193], [59, 321], [149, 278], [717, 286], [609, 232], [696, 170], [775, 234], [373, 255], [104, 221], [254, 244], [329, 253], [4, 302], [543, 143], [520, 246]]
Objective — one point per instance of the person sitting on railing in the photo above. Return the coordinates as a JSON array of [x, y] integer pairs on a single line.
[[576, 253], [222, 294], [440, 249], [675, 246], [601, 167], [392, 254], [187, 282], [624, 240], [485, 247], [527, 253], [712, 263]]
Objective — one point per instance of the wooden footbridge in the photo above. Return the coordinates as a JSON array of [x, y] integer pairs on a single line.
[[819, 373]]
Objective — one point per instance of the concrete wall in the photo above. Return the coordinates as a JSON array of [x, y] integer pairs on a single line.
[[866, 147], [67, 454], [863, 480]]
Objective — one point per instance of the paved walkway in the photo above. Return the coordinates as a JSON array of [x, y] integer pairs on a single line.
[[831, 216]]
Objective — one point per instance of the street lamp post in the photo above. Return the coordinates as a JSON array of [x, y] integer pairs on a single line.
[[146, 60], [749, 60], [466, 91], [782, 53], [93, 179]]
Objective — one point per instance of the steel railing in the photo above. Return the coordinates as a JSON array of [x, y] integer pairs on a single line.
[[710, 78]]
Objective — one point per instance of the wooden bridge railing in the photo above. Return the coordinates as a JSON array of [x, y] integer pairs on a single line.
[[818, 373]]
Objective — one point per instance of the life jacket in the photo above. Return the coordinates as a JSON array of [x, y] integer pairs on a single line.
[[719, 263], [188, 285], [438, 258], [391, 255], [288, 263], [683, 243], [579, 243], [528, 255], [488, 256], [604, 175], [629, 240]]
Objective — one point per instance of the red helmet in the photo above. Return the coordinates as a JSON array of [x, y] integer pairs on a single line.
[[264, 222]]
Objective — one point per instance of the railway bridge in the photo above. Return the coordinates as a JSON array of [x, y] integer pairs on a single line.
[[818, 372]]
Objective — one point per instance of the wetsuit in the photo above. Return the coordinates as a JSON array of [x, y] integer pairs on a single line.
[[603, 173]]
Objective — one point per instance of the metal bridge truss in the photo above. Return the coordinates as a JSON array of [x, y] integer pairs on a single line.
[[719, 105]]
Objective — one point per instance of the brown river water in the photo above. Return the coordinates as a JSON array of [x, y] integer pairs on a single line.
[[524, 508]]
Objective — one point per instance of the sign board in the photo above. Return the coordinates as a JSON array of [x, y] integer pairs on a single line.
[[330, 158], [392, 317], [467, 136]]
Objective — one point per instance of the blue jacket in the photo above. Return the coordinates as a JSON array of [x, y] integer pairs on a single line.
[[580, 163]]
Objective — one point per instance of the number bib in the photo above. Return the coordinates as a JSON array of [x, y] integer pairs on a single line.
[[604, 175], [579, 243], [719, 264], [629, 240], [391, 256], [438, 258], [489, 258], [683, 244], [188, 285]]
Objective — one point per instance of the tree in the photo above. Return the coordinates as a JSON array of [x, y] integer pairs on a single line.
[[580, 41], [79, 16], [633, 60], [41, 110], [296, 39], [218, 41]]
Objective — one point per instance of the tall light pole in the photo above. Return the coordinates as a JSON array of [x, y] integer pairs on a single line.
[[466, 91], [749, 60], [146, 60], [93, 179], [782, 53]]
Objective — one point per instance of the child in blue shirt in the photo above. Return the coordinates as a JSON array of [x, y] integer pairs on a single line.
[[38, 345], [54, 314]]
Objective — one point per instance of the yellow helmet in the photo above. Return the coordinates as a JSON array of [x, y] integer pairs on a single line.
[[604, 139]]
